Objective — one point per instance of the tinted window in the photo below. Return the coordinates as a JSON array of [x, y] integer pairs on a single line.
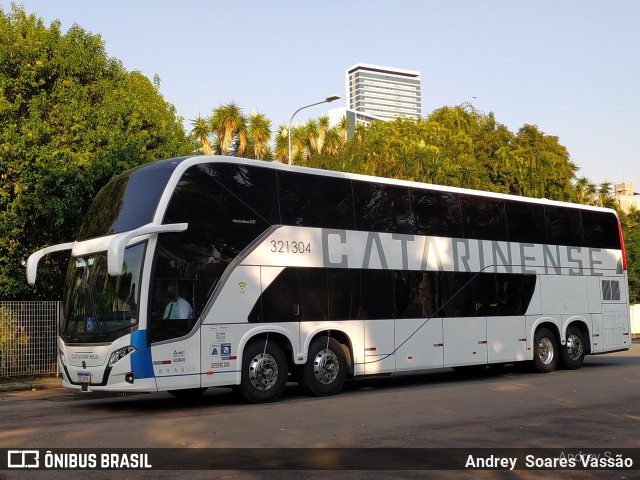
[[526, 222], [315, 201], [255, 187], [483, 218], [429, 293], [344, 294], [436, 213], [514, 293], [485, 294], [564, 226], [221, 225], [300, 294], [128, 201], [280, 302], [403, 295], [377, 294], [296, 295], [600, 230], [382, 208], [460, 295]]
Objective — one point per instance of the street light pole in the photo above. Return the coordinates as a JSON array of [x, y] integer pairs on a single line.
[[330, 98]]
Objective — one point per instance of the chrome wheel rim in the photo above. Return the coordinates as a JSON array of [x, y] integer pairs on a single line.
[[263, 371], [326, 366], [545, 351], [575, 348]]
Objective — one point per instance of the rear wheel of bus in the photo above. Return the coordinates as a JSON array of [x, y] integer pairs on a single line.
[[545, 350], [264, 372], [326, 368], [574, 350]]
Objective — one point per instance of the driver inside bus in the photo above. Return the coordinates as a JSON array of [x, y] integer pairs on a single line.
[[178, 307]]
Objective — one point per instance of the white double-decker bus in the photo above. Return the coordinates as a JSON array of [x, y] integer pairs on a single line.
[[202, 272]]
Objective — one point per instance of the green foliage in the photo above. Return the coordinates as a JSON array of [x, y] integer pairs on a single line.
[[70, 119], [457, 146], [631, 234], [13, 341]]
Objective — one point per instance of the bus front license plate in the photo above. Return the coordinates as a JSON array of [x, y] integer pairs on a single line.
[[84, 377]]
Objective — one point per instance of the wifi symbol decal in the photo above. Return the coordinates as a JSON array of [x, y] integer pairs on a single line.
[[242, 286]]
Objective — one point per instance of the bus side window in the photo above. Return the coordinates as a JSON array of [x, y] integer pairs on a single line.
[[382, 208], [377, 294], [600, 230], [315, 201], [344, 294], [526, 222], [510, 294], [460, 295], [483, 218], [564, 226], [436, 213], [485, 294]]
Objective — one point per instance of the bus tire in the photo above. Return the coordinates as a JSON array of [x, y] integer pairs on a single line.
[[545, 351], [188, 393], [573, 352], [264, 372], [325, 371]]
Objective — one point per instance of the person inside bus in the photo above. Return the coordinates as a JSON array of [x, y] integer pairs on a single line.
[[178, 307]]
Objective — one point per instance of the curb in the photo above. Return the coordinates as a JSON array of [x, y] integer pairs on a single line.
[[28, 384]]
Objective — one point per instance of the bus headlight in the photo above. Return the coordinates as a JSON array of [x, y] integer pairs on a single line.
[[120, 353]]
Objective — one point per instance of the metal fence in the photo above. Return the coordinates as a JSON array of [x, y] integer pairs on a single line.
[[28, 336]]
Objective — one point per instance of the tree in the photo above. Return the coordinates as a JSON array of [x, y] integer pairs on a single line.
[[282, 143], [631, 233], [201, 131], [591, 191], [299, 142], [70, 119], [313, 133], [343, 128], [323, 128], [581, 189], [259, 133], [604, 192], [229, 126]]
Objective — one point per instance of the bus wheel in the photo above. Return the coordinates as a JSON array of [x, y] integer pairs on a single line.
[[326, 368], [264, 372], [545, 351], [573, 354], [188, 393]]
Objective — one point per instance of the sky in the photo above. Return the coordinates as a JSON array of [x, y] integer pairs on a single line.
[[571, 67]]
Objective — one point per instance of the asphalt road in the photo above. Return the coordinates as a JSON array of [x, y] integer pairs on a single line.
[[597, 406]]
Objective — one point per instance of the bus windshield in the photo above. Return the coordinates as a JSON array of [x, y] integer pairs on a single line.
[[99, 307]]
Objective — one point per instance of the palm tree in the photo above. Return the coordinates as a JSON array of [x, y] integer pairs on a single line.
[[323, 127], [359, 131], [228, 124], [581, 188], [603, 192], [311, 128], [343, 128], [332, 141], [282, 143], [201, 131], [259, 132], [591, 192], [299, 142]]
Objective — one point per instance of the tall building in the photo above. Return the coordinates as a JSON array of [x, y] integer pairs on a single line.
[[383, 93], [626, 197]]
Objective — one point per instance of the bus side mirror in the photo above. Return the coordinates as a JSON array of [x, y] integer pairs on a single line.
[[115, 250], [34, 258]]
